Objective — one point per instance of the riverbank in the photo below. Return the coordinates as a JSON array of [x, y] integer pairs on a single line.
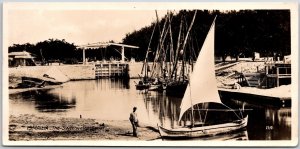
[[38, 127], [27, 127]]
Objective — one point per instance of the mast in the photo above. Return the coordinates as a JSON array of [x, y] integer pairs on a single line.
[[171, 49], [145, 65], [183, 47], [174, 72], [187, 35], [158, 50], [188, 32], [192, 106]]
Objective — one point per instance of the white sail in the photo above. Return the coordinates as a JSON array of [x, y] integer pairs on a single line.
[[202, 83]]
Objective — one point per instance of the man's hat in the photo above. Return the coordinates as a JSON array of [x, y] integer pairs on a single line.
[[134, 107]]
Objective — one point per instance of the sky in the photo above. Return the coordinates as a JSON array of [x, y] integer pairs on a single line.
[[75, 26], [83, 23]]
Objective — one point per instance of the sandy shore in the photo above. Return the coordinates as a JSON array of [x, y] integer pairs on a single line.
[[30, 128]]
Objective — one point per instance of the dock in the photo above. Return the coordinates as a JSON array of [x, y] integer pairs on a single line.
[[256, 96]]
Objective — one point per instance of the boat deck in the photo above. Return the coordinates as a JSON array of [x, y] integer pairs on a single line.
[[258, 96]]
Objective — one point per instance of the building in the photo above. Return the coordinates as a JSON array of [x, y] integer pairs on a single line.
[[16, 59]]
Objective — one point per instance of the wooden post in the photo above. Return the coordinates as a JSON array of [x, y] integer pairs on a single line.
[[83, 56], [277, 76], [123, 54]]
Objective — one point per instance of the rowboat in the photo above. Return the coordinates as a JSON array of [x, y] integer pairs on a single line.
[[201, 131]]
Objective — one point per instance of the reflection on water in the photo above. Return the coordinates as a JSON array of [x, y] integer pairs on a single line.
[[51, 102], [266, 123], [45, 102], [166, 108], [113, 99]]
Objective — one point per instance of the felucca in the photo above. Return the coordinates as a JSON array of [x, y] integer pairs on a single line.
[[201, 101]]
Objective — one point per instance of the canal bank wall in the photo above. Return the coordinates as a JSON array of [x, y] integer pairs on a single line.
[[73, 72], [88, 71]]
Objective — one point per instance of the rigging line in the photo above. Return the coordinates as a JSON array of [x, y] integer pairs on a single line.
[[241, 113], [233, 111], [204, 109], [197, 47], [199, 112], [205, 117]]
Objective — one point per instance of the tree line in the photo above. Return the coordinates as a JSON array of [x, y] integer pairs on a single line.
[[238, 33]]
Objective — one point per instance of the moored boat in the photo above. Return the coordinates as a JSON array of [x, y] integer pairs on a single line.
[[177, 88], [201, 106], [142, 85], [191, 132]]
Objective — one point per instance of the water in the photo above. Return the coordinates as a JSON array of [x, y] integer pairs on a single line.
[[113, 99]]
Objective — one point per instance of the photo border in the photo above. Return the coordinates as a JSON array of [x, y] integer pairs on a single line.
[[152, 6]]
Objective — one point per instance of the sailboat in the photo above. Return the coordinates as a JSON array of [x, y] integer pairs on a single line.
[[201, 110], [178, 85]]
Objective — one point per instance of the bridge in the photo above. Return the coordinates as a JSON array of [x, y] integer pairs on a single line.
[[104, 45]]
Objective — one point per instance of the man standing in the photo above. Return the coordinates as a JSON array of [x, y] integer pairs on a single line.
[[134, 121]]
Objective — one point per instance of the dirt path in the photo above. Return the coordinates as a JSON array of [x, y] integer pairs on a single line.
[[30, 127]]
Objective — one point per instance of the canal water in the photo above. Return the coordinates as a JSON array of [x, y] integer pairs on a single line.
[[113, 99]]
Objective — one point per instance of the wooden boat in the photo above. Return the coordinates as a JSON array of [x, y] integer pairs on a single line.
[[178, 82], [145, 80], [142, 85], [232, 136], [177, 88], [190, 132], [201, 100]]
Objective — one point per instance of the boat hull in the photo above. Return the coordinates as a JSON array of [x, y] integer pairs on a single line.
[[158, 87], [142, 87], [176, 89], [186, 132]]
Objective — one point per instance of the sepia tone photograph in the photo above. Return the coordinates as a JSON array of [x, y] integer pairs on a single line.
[[150, 74]]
